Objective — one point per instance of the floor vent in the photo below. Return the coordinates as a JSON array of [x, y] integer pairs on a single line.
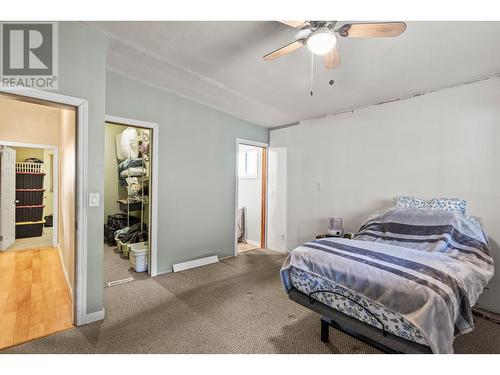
[[122, 281]]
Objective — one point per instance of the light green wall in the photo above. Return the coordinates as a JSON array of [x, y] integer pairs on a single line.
[[197, 156], [197, 172], [82, 74]]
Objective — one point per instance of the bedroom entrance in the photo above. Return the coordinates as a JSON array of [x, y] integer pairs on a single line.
[[38, 212], [129, 201], [251, 193]]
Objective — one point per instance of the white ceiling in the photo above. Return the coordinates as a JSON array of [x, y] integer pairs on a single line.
[[220, 64]]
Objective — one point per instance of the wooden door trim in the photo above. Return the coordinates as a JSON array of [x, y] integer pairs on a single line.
[[264, 146]]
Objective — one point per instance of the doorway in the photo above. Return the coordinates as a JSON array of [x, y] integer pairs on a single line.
[[130, 196], [36, 208], [251, 196], [38, 212]]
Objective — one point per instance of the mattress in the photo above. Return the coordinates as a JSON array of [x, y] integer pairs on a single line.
[[428, 266], [393, 322]]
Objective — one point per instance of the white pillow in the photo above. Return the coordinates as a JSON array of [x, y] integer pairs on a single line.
[[119, 154], [128, 143]]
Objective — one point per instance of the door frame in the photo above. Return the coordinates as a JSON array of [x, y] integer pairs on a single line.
[[55, 181], [81, 107], [153, 226], [265, 182]]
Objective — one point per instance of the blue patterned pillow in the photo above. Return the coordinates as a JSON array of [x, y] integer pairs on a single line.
[[448, 204], [410, 202]]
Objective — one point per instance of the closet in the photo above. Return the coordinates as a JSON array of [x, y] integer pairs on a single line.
[[127, 204]]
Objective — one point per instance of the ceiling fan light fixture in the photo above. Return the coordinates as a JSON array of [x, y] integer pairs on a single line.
[[321, 41]]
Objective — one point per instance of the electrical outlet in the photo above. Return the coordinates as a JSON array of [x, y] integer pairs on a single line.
[[282, 236]]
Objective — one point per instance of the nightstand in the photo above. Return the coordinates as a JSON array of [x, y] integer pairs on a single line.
[[326, 235]]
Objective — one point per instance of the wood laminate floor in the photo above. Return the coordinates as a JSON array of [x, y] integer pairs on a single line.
[[242, 247], [34, 297]]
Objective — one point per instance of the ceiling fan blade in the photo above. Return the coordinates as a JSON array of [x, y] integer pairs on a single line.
[[372, 30], [332, 59], [296, 24], [285, 50]]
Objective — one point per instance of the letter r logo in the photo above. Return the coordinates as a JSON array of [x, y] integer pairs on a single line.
[[27, 49]]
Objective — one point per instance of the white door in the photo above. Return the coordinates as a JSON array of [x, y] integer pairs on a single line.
[[7, 197]]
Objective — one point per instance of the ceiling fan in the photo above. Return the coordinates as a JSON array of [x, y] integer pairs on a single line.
[[321, 37]]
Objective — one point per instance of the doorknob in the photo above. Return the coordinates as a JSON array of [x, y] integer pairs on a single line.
[[16, 201]]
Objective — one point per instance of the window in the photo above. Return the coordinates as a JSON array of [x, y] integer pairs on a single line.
[[247, 164]]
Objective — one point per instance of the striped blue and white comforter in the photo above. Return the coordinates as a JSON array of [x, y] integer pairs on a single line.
[[429, 266]]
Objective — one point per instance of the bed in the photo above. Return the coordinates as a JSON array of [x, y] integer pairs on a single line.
[[406, 283]]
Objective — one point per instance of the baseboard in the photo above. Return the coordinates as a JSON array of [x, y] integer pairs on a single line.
[[64, 270], [95, 316], [253, 243], [490, 315]]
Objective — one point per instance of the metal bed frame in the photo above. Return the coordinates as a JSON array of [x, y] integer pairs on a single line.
[[373, 336]]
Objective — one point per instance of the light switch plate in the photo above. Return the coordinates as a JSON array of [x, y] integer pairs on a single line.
[[94, 200]]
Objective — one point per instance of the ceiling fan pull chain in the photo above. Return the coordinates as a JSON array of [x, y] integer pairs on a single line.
[[312, 73]]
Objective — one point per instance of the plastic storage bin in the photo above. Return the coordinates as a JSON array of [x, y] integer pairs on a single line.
[[29, 229], [29, 166], [136, 246], [136, 206], [139, 256], [122, 247], [29, 213], [29, 197], [26, 180]]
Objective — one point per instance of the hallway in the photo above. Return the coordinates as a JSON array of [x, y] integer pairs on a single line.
[[35, 300]]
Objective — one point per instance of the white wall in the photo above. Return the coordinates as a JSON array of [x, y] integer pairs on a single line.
[[249, 196], [277, 198], [439, 144], [67, 192]]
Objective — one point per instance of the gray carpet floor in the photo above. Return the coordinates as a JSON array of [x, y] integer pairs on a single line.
[[117, 267], [234, 306]]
